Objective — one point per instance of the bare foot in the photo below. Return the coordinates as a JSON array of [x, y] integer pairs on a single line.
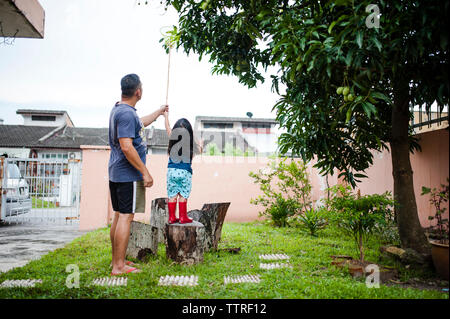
[[126, 270], [127, 262]]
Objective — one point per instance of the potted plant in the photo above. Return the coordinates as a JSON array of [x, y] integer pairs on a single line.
[[439, 249]]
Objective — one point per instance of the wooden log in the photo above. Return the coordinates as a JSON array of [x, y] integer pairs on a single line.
[[159, 217], [185, 242], [143, 240], [212, 217]]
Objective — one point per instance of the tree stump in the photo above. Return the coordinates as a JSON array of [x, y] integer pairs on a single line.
[[159, 217], [212, 217], [143, 240], [185, 242]]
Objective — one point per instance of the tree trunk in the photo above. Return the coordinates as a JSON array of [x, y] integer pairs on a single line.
[[410, 231], [361, 249], [159, 216], [212, 217], [185, 242], [143, 240]]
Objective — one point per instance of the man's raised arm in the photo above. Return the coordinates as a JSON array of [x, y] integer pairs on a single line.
[[148, 119]]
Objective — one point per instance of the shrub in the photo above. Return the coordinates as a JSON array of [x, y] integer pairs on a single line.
[[280, 211], [312, 220], [286, 190], [360, 216], [437, 198]]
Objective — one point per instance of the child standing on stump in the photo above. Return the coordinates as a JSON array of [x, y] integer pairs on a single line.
[[179, 173]]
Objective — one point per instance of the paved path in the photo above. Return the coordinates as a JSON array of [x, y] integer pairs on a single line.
[[21, 243]]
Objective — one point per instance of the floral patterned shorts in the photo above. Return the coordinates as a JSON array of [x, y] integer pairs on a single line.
[[178, 181]]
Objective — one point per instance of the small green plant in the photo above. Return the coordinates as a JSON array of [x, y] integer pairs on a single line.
[[249, 153], [312, 220], [230, 150], [286, 190], [437, 198], [212, 149], [360, 216], [280, 211]]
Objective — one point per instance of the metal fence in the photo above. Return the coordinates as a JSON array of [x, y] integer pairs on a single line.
[[40, 190], [426, 117]]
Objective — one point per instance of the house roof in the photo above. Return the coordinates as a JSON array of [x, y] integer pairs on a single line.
[[234, 119], [30, 111], [73, 137], [22, 135], [65, 137], [51, 137], [157, 137]]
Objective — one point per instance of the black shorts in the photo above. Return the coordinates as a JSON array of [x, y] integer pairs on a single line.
[[127, 197]]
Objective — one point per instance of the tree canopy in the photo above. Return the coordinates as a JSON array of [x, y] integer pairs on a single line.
[[318, 47], [352, 72]]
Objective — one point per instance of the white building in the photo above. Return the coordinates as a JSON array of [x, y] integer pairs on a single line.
[[261, 134], [45, 118]]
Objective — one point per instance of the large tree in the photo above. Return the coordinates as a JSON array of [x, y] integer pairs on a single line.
[[391, 56]]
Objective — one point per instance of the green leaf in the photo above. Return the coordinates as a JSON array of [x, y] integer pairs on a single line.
[[377, 43], [348, 115], [330, 28], [425, 190], [359, 38], [381, 96], [369, 108]]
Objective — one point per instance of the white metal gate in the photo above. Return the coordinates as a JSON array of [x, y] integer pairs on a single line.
[[40, 191]]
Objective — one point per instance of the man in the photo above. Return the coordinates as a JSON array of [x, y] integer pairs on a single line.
[[128, 175]]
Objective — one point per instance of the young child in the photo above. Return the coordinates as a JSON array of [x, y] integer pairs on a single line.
[[179, 172]]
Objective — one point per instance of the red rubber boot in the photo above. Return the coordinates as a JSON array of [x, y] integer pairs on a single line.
[[184, 219], [172, 208]]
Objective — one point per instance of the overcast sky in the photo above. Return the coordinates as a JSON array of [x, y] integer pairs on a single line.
[[90, 44]]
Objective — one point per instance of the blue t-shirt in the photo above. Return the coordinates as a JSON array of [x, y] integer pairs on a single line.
[[180, 165], [124, 122]]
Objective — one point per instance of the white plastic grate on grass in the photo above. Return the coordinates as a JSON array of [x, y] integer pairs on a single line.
[[178, 281], [109, 281], [28, 283], [274, 266], [274, 257], [241, 279]]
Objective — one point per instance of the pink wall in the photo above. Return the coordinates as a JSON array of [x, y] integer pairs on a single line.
[[430, 169], [215, 179], [225, 179]]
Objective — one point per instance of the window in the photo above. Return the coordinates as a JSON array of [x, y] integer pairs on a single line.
[[54, 155], [217, 125], [13, 171], [255, 125], [47, 118]]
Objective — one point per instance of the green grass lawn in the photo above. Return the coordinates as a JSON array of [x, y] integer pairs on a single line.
[[39, 203], [312, 276]]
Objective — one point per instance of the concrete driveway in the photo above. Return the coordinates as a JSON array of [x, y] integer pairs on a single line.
[[21, 243]]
